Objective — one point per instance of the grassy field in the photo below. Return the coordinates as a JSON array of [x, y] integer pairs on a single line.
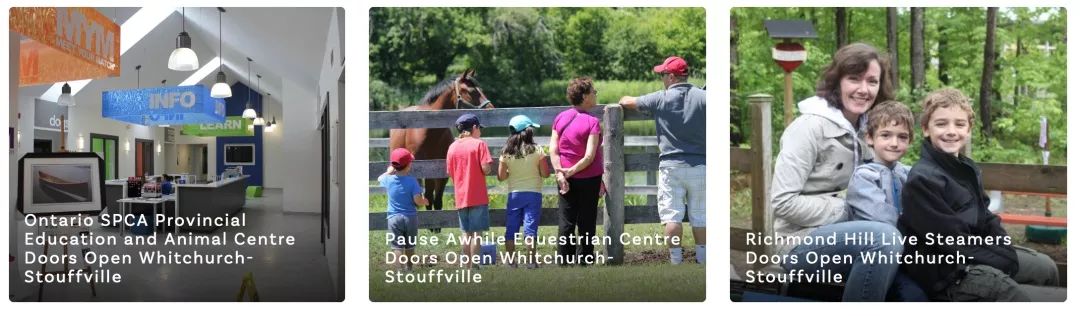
[[640, 283], [645, 276]]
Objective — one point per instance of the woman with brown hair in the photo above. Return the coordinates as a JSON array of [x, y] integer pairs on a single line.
[[818, 153], [579, 165]]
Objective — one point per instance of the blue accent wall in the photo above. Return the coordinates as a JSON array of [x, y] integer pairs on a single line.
[[234, 106]]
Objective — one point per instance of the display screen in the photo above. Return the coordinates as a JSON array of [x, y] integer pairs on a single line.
[[239, 154]]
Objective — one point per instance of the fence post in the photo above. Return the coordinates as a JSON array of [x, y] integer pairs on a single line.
[[614, 179], [650, 177], [761, 166]]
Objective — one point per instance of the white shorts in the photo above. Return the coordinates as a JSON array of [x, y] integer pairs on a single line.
[[682, 189]]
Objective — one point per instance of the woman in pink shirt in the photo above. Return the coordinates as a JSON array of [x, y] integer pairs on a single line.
[[575, 153]]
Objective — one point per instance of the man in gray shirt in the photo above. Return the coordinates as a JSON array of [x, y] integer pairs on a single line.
[[679, 111]]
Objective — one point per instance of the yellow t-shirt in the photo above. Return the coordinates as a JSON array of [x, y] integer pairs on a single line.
[[524, 173]]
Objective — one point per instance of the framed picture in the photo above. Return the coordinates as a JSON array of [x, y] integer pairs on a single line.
[[61, 183]]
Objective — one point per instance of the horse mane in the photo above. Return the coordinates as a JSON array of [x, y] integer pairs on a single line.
[[434, 93]]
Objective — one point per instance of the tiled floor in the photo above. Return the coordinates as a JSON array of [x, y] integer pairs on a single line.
[[281, 273]]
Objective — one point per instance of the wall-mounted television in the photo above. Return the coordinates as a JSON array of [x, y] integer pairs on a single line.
[[61, 183], [239, 154]]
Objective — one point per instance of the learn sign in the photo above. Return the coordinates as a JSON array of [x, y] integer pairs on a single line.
[[163, 106], [233, 126]]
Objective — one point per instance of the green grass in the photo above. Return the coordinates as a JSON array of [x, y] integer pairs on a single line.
[[377, 202], [378, 247], [643, 281], [660, 282]]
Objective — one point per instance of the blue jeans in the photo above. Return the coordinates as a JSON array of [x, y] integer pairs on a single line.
[[904, 289], [865, 282], [474, 219]]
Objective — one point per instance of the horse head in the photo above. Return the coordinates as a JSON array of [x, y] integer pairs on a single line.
[[468, 94]]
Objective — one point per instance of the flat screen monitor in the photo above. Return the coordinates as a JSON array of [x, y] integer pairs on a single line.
[[240, 154]]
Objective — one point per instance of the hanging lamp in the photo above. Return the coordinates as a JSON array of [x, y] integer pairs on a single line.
[[220, 89], [249, 113], [259, 121], [66, 99], [270, 127], [272, 124], [183, 58]]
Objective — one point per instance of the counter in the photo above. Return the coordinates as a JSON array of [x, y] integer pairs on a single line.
[[206, 199], [212, 199]]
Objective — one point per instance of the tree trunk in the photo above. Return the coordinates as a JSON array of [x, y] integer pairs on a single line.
[[1016, 70], [736, 109], [943, 51], [986, 89], [894, 49], [918, 63], [841, 28]]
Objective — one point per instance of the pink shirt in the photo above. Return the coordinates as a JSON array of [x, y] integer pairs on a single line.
[[463, 161], [574, 128]]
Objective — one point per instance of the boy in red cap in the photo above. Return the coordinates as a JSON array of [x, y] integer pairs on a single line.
[[403, 194]]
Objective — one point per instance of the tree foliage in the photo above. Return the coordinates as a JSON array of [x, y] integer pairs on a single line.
[[1028, 81], [516, 50]]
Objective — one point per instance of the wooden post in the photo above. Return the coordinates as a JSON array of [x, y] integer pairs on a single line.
[[761, 166], [789, 100], [614, 179], [651, 176]]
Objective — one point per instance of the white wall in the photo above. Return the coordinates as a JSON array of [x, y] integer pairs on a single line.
[[330, 81], [14, 108], [299, 149], [273, 155]]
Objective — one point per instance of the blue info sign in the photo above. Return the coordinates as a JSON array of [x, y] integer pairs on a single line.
[[163, 106]]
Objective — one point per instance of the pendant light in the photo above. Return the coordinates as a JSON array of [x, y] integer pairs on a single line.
[[66, 99], [272, 125], [183, 58], [220, 89], [259, 121], [249, 113]]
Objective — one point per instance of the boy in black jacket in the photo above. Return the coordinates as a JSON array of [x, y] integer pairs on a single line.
[[944, 199]]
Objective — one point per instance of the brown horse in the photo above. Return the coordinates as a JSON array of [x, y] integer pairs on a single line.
[[462, 92]]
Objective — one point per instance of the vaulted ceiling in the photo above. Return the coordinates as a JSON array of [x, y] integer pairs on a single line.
[[285, 44]]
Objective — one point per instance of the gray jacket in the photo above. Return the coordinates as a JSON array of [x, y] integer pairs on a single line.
[[874, 192], [818, 153]]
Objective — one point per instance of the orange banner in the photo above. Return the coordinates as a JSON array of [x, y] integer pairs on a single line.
[[65, 44]]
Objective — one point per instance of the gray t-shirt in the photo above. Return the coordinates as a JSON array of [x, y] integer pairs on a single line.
[[679, 112]]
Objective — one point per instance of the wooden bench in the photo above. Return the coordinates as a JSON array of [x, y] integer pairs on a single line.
[[1033, 220]]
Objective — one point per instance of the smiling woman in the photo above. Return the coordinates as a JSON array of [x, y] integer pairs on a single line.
[[818, 153]]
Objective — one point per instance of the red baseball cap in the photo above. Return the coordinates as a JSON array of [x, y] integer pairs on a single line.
[[674, 64], [401, 158]]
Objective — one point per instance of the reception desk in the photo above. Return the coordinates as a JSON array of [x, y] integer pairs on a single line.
[[211, 199]]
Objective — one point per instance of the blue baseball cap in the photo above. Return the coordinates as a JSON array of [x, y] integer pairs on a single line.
[[520, 122], [466, 122]]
